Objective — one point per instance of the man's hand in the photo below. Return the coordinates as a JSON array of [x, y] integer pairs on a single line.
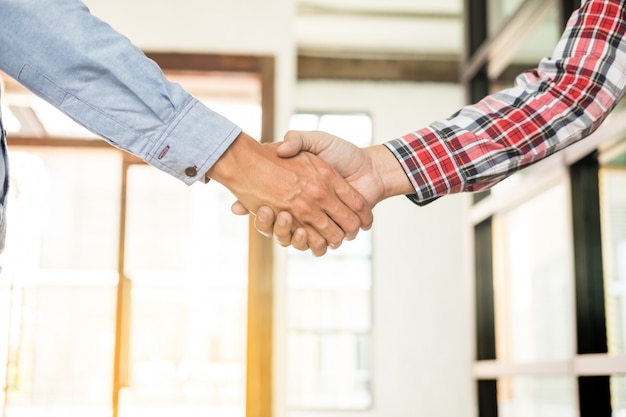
[[319, 201], [372, 171]]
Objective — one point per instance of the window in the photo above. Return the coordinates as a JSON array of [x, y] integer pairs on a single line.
[[613, 206], [60, 266], [537, 397], [187, 323], [613, 218], [127, 293], [532, 279], [549, 260], [547, 246], [329, 307]]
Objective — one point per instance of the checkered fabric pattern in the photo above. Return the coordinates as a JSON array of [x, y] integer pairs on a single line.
[[562, 101]]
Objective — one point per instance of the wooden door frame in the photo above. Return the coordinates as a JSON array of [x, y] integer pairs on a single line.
[[259, 344], [259, 364]]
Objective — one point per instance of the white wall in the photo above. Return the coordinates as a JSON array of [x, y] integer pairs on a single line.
[[421, 351], [421, 326]]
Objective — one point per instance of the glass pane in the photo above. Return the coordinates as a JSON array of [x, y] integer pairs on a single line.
[[618, 396], [60, 267], [537, 397], [329, 304], [538, 43], [613, 206], [332, 370], [501, 11], [356, 128], [68, 207], [341, 286], [304, 121], [532, 280], [329, 318], [186, 256]]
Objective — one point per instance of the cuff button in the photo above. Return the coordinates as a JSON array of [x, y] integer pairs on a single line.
[[191, 171]]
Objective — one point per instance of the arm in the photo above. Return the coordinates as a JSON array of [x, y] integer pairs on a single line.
[[82, 66], [79, 64], [550, 108]]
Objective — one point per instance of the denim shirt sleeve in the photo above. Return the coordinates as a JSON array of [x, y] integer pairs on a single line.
[[82, 66]]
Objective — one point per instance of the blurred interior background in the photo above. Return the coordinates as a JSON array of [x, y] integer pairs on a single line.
[[126, 293]]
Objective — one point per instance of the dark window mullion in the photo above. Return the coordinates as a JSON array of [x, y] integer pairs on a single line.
[[476, 87], [589, 277], [594, 392], [488, 398], [485, 315], [476, 34]]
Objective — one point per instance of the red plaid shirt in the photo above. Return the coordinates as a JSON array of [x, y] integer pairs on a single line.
[[562, 101]]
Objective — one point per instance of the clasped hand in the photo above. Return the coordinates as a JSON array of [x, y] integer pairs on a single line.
[[372, 174], [320, 202]]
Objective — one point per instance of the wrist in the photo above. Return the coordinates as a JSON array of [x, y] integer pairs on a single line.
[[393, 177], [228, 168]]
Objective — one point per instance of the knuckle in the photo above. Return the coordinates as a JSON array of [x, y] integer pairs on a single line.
[[359, 203], [326, 171], [335, 240], [316, 191], [353, 225]]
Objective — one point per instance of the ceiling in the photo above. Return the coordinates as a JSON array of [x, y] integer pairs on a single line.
[[417, 40], [379, 27]]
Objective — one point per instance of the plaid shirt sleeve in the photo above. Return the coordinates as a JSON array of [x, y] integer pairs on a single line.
[[549, 108]]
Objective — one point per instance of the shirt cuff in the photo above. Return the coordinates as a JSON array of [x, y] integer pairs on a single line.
[[420, 155], [192, 143]]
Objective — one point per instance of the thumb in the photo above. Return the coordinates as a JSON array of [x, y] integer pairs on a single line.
[[314, 141], [291, 146]]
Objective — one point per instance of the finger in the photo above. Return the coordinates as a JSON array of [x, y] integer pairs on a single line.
[[283, 227], [346, 208], [316, 242], [299, 239], [264, 220], [330, 233], [239, 209], [358, 205], [347, 221]]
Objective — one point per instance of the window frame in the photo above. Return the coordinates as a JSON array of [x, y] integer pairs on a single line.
[[368, 333], [259, 360], [484, 67]]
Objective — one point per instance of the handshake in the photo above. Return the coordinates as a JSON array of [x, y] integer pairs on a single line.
[[312, 191]]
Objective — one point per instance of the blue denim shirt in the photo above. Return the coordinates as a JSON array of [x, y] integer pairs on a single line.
[[79, 64]]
